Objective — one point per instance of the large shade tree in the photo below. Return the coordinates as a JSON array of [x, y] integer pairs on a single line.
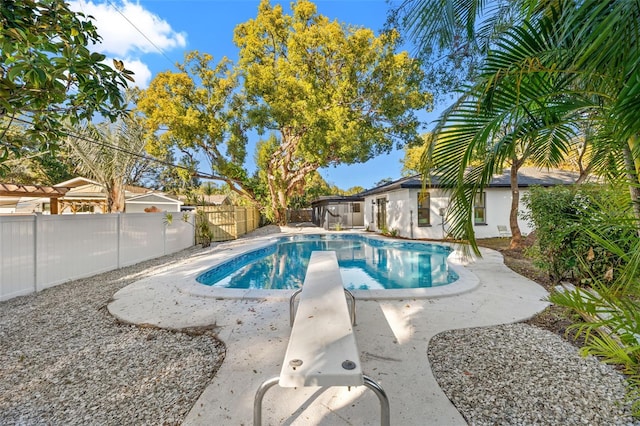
[[559, 65], [197, 112], [48, 74], [327, 93]]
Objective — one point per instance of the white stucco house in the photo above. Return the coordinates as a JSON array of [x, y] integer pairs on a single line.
[[413, 212]]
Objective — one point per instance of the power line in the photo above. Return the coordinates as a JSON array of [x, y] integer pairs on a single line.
[[195, 173], [141, 33]]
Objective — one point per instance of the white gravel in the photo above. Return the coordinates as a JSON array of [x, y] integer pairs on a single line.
[[65, 361], [522, 375]]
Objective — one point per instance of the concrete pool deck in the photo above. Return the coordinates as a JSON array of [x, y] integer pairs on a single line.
[[392, 336]]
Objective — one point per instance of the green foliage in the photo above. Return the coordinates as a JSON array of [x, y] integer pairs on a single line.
[[331, 94], [574, 227], [314, 187], [383, 181], [610, 323], [197, 111], [606, 250], [31, 166], [204, 233], [451, 40], [412, 160], [349, 191], [108, 153], [48, 75], [559, 66]]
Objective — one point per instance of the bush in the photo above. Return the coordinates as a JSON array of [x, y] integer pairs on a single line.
[[573, 226], [204, 233]]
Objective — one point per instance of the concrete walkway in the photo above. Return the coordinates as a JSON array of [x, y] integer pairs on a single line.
[[392, 336]]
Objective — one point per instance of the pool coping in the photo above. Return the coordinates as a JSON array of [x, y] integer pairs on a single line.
[[467, 281]]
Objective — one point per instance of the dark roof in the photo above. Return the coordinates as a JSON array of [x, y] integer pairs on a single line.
[[326, 199], [527, 176]]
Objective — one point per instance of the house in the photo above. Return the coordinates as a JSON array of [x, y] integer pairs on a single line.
[[11, 194], [406, 207], [83, 195], [331, 212], [151, 202], [190, 204], [217, 200]]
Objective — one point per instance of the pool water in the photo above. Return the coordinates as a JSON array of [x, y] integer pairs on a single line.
[[365, 264]]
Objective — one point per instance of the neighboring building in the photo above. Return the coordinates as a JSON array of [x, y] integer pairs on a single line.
[[204, 200], [83, 195], [11, 194], [417, 212], [331, 212], [153, 201], [217, 200]]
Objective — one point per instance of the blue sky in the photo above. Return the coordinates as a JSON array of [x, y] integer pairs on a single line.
[[152, 35]]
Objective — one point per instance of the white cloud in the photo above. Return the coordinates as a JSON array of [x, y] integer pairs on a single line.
[[142, 73], [140, 32], [130, 36]]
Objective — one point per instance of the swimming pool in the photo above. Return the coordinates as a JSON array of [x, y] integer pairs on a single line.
[[365, 264]]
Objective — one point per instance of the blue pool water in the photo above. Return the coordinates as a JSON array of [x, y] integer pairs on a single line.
[[365, 264]]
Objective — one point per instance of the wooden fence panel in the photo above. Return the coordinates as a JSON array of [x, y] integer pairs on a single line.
[[241, 220], [229, 222], [253, 219]]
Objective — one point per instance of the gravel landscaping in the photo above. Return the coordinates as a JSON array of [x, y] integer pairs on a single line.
[[66, 361], [518, 374]]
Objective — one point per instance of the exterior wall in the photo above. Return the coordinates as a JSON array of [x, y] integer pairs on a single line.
[[498, 208], [402, 210], [41, 251]]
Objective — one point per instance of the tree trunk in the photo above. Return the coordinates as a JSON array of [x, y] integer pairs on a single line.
[[279, 206], [115, 197], [284, 180], [516, 235]]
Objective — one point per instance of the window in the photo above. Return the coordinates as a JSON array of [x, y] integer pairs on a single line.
[[355, 207], [424, 209], [479, 209], [381, 204]]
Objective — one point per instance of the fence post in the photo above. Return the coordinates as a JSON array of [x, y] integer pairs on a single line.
[[35, 252], [118, 237], [164, 236]]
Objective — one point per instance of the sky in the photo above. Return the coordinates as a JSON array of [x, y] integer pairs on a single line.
[[151, 36]]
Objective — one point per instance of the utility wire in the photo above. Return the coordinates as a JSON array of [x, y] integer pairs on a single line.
[[194, 173], [141, 33]]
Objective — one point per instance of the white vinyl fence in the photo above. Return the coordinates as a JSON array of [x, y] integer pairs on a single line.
[[41, 251]]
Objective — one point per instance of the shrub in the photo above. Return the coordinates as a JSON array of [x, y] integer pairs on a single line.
[[572, 226], [204, 233]]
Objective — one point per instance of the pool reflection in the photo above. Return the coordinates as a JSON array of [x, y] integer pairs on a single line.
[[364, 265]]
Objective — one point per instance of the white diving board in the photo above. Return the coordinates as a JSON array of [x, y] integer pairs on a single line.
[[322, 349]]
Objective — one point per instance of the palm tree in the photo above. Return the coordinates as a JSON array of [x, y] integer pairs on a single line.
[[557, 65], [108, 153]]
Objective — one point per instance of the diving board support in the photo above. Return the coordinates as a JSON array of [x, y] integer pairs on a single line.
[[385, 414], [292, 301], [322, 349]]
